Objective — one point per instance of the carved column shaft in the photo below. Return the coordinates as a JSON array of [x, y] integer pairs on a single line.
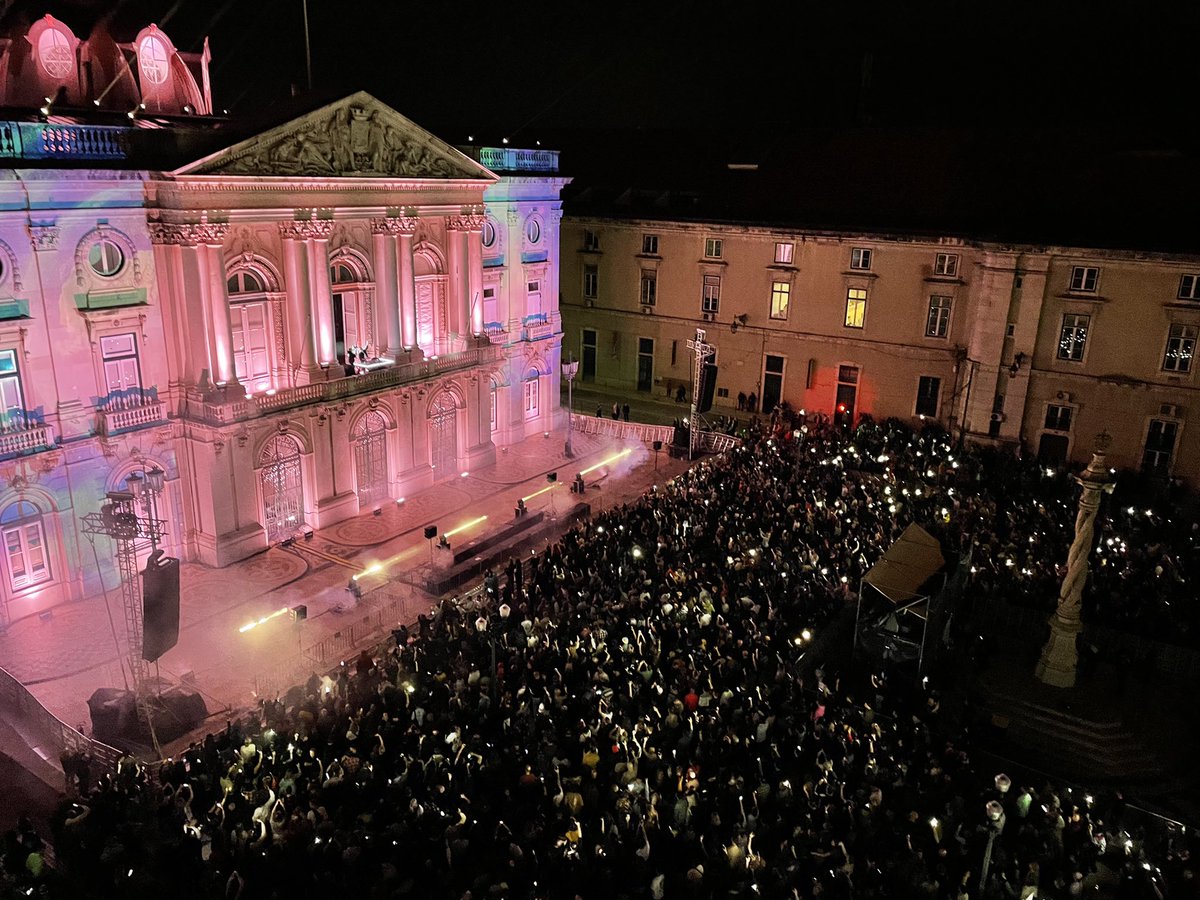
[[387, 300], [408, 290], [322, 298], [302, 349], [475, 271]]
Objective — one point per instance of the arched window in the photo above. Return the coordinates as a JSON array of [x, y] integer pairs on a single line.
[[370, 458], [443, 435], [55, 53], [250, 326], [152, 59], [351, 333], [282, 487], [532, 393], [25, 554]]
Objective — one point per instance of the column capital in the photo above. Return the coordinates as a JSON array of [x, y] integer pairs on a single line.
[[474, 222], [306, 229], [457, 223], [189, 234], [401, 226]]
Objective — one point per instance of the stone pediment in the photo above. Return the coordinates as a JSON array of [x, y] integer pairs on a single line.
[[355, 137]]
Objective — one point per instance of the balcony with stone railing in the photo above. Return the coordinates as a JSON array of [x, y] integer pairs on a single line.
[[511, 159], [221, 408], [537, 326], [129, 410], [21, 435], [62, 141]]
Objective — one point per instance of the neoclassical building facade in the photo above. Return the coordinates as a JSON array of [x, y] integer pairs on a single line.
[[297, 328]]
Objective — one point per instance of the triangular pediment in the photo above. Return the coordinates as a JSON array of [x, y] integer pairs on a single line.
[[353, 138]]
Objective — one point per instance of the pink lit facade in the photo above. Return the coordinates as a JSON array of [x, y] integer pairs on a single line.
[[298, 329]]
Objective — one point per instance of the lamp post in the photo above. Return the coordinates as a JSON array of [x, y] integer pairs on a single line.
[[570, 370], [1060, 657]]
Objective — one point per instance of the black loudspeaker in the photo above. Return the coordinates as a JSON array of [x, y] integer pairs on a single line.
[[657, 446], [708, 386], [430, 532], [113, 711], [160, 605], [299, 613], [552, 477]]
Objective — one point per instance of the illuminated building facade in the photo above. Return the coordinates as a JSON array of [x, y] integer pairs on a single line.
[[1003, 342], [298, 326]]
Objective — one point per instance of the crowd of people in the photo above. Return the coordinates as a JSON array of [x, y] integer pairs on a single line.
[[649, 708]]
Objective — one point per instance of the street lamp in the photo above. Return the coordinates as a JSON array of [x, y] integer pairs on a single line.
[[146, 486], [570, 370]]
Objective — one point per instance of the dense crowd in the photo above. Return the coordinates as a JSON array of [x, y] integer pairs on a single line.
[[647, 709]]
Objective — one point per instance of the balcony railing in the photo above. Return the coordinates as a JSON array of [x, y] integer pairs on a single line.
[[44, 140], [220, 412], [20, 438], [116, 421], [505, 159]]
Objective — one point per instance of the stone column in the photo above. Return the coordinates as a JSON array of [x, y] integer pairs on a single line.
[[218, 307], [387, 299], [301, 347], [475, 272], [406, 228], [318, 231], [459, 314], [1059, 656]]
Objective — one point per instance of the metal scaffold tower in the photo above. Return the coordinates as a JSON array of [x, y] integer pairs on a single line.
[[703, 351]]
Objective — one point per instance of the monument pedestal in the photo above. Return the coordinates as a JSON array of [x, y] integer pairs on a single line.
[[1060, 656]]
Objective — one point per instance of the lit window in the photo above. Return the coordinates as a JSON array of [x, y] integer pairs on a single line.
[[928, 388], [244, 282], [55, 53], [650, 244], [1181, 345], [781, 293], [490, 313], [531, 396], [1058, 418], [24, 545], [533, 297], [106, 258], [251, 359], [945, 265], [1189, 287], [1074, 337], [713, 247], [533, 231], [152, 59], [938, 323], [710, 301], [1084, 278], [489, 234], [856, 307], [591, 282], [783, 252], [12, 407], [860, 258], [649, 292], [591, 240]]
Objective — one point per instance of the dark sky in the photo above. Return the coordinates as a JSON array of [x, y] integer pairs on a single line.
[[534, 67]]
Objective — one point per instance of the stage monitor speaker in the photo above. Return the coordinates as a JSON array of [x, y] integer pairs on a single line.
[[160, 605], [708, 386], [430, 532], [299, 613], [552, 477], [657, 446]]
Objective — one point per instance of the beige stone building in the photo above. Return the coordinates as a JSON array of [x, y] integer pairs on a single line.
[[1045, 346]]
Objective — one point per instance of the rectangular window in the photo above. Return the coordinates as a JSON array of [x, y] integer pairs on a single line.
[[856, 307], [533, 297], [649, 289], [650, 244], [591, 240], [860, 258], [531, 397], [251, 360], [1189, 287], [490, 311], [1181, 344], [928, 388], [713, 248], [945, 265], [122, 378], [938, 323], [591, 282], [848, 374], [12, 405], [1160, 445], [711, 300], [781, 295], [492, 392], [25, 552], [1074, 337], [783, 252], [1058, 418], [1084, 279]]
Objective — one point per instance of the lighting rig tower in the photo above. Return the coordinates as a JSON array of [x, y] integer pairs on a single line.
[[703, 351], [119, 519], [570, 370]]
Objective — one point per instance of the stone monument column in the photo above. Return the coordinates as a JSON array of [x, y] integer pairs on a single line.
[[1059, 656]]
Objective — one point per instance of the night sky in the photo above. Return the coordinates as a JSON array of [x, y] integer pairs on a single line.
[[531, 69]]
